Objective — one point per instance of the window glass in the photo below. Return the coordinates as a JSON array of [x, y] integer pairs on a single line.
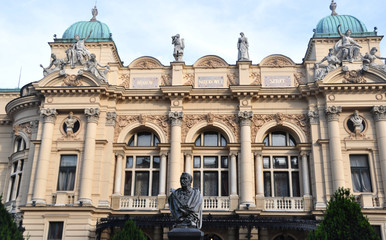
[[66, 178], [156, 141], [295, 184], [279, 139], [155, 183], [127, 187], [224, 183], [198, 141], [223, 141], [360, 173], [142, 162], [267, 184], [266, 141], [294, 162], [280, 162], [210, 184], [266, 162], [210, 162], [281, 184], [197, 162], [144, 139], [292, 142], [55, 231], [129, 162], [224, 162], [156, 162], [197, 179], [141, 184], [210, 139]]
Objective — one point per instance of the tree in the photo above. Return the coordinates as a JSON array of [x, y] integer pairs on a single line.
[[8, 228], [343, 220], [129, 231]]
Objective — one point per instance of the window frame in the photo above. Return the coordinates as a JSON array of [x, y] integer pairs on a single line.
[[15, 178], [133, 139], [75, 172], [369, 169]]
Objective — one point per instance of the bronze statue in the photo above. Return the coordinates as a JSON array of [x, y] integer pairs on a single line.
[[185, 204]]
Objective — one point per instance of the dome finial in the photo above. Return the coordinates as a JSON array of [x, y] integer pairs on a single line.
[[333, 7], [94, 12]]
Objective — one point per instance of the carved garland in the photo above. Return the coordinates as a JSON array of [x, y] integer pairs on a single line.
[[166, 80], [125, 80], [147, 64], [230, 120], [256, 78], [232, 78], [159, 120], [189, 79], [258, 120], [278, 62], [211, 63]]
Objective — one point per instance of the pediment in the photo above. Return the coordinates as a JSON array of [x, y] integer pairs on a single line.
[[372, 75], [146, 63], [211, 61], [277, 61], [54, 79]]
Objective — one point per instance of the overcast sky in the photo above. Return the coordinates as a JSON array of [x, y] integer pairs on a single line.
[[144, 28]]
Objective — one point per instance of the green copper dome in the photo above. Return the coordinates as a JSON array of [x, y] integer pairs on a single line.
[[327, 27], [100, 31]]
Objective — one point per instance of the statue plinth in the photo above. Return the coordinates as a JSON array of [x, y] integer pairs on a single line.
[[186, 234]]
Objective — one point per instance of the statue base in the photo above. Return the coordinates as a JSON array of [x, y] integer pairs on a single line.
[[186, 234]]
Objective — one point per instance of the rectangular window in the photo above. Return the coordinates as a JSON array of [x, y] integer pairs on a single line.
[[67, 169], [197, 179], [141, 184], [210, 139], [295, 184], [280, 162], [281, 184], [55, 231], [155, 183], [224, 162], [210, 184], [128, 180], [224, 183], [210, 162], [267, 184], [266, 162], [156, 162], [360, 173], [197, 162], [142, 162], [129, 162]]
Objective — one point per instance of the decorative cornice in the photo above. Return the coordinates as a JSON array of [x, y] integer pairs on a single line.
[[176, 117], [379, 113], [49, 114], [333, 112], [110, 118], [92, 114], [313, 115]]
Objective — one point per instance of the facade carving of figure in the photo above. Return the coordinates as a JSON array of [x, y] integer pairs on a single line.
[[70, 123], [242, 46], [347, 48], [369, 60], [357, 121], [179, 46], [78, 52], [58, 66], [91, 66], [185, 203], [322, 70]]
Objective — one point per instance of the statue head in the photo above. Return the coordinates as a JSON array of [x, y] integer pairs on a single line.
[[186, 180], [373, 50], [242, 34], [76, 37], [348, 33], [53, 56], [92, 56]]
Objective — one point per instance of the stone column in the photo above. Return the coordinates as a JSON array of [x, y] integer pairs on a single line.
[[87, 170], [233, 168], [162, 175], [259, 180], [335, 147], [306, 180], [175, 151], [118, 174], [188, 163], [247, 185], [108, 161], [42, 163], [379, 113]]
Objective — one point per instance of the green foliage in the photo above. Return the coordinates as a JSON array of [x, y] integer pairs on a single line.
[[8, 228], [343, 220], [129, 232]]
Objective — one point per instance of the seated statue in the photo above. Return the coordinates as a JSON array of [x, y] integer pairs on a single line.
[[185, 204], [369, 60], [347, 48], [91, 66], [322, 70], [57, 63], [78, 53]]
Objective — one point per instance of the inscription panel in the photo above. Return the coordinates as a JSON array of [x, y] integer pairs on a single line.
[[210, 82], [277, 81], [145, 82]]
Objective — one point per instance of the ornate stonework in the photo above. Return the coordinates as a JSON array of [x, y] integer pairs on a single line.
[[159, 120], [277, 62], [313, 115], [300, 78], [232, 79], [110, 118], [49, 114], [92, 114], [379, 113], [300, 120], [192, 119], [72, 80], [166, 80], [125, 80], [147, 63], [256, 78], [358, 122], [211, 62], [189, 79], [24, 127], [245, 117], [333, 112], [354, 76], [176, 117]]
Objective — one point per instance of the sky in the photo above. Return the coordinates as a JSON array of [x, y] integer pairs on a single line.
[[144, 28]]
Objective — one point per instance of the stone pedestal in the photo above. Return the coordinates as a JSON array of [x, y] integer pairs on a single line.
[[185, 234]]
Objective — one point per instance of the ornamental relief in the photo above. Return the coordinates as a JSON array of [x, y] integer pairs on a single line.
[[25, 127], [258, 120], [232, 79], [125, 80], [192, 119], [300, 78], [147, 64], [189, 79], [166, 80], [278, 62], [72, 80], [256, 78], [159, 120], [212, 62]]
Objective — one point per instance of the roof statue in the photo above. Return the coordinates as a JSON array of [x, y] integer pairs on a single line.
[[369, 60], [91, 66], [78, 53], [179, 46], [57, 64], [347, 48], [322, 70], [333, 7], [242, 46], [94, 13]]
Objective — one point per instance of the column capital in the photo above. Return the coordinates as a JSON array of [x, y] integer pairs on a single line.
[[49, 114], [176, 117], [245, 117], [119, 153], [92, 114], [233, 153], [110, 118], [304, 153], [163, 153], [258, 153], [379, 113], [313, 115], [333, 112]]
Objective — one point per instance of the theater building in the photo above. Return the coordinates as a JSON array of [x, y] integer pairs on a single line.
[[267, 144]]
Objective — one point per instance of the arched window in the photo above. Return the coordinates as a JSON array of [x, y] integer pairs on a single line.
[[143, 139], [142, 166], [210, 165], [19, 144], [281, 165]]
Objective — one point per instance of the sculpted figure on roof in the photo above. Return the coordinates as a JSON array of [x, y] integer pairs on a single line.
[[57, 64], [179, 46], [242, 46], [347, 48], [78, 53], [91, 66], [369, 60], [322, 70]]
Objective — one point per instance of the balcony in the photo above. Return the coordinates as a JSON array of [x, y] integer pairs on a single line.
[[216, 203], [138, 203], [287, 204]]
